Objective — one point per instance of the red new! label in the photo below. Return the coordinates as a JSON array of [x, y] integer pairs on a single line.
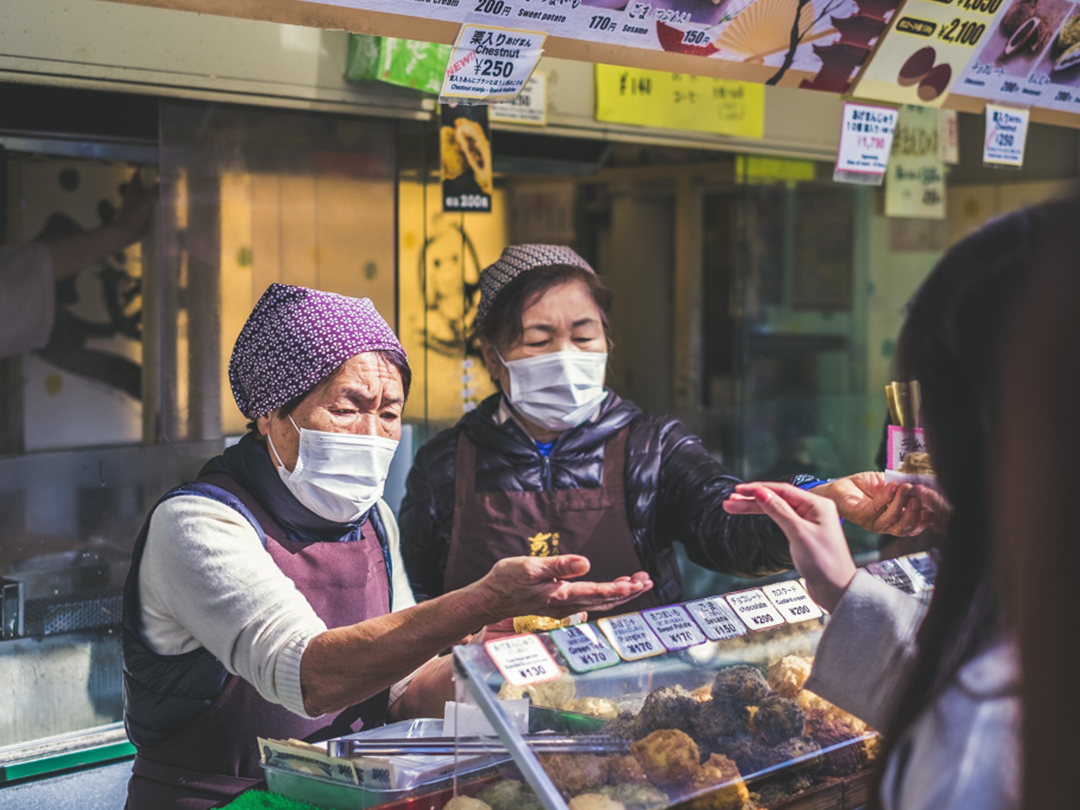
[[671, 39]]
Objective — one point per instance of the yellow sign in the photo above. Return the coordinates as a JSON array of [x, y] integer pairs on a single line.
[[651, 98], [751, 169]]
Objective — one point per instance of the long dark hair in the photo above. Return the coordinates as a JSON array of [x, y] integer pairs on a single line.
[[952, 342]]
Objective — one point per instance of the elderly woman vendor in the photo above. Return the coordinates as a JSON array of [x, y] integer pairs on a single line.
[[557, 463], [268, 598]]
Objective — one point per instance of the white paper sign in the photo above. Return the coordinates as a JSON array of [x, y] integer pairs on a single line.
[[792, 600], [716, 618], [1006, 133], [522, 660], [674, 626], [755, 609], [489, 64], [530, 107], [866, 136], [583, 648], [631, 637]]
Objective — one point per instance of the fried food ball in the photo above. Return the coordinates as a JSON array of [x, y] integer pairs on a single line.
[[778, 719], [595, 801], [737, 687], [553, 694], [504, 795], [702, 693], [711, 722], [668, 757], [849, 754], [749, 754], [796, 748], [667, 707], [625, 770], [636, 797], [819, 710], [729, 790], [575, 773], [594, 707], [623, 727], [788, 674], [466, 803], [775, 790]]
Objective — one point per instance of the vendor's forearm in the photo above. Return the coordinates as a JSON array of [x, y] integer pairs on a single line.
[[348, 665], [70, 254]]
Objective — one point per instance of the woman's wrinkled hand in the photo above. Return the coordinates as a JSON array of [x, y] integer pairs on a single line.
[[812, 526], [898, 509]]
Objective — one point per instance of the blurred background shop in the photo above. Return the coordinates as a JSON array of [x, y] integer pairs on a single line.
[[756, 299]]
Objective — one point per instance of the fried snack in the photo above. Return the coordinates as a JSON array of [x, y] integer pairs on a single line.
[[474, 143], [850, 754], [536, 624], [737, 687], [713, 772], [749, 754], [775, 790], [553, 694], [668, 757], [504, 795], [450, 154], [624, 727], [818, 710], [787, 675], [796, 748], [466, 803], [702, 693], [636, 797], [575, 773], [711, 722], [667, 707], [778, 719], [917, 464], [625, 770], [1069, 34], [595, 801], [594, 707]]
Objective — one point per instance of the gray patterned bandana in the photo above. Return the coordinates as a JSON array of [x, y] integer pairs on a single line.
[[518, 259]]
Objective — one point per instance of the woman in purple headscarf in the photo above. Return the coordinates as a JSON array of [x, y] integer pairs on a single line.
[[268, 597]]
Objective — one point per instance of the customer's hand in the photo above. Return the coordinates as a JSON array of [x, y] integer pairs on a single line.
[[812, 527], [525, 586], [867, 501]]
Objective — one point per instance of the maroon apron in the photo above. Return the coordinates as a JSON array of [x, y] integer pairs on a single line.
[[216, 757], [588, 521]]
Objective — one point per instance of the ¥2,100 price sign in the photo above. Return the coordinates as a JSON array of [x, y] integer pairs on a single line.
[[489, 64], [522, 660]]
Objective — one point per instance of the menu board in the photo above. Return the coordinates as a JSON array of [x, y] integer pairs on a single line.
[[1030, 57]]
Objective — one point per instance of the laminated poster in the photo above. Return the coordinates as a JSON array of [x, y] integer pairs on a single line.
[[915, 183], [1030, 57], [465, 158]]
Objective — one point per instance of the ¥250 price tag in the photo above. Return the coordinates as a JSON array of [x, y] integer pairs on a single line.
[[522, 660], [489, 64], [792, 600], [755, 609], [716, 618], [631, 637], [583, 648], [674, 626]]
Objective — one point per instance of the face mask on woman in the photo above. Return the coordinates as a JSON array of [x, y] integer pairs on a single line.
[[557, 391], [338, 476]]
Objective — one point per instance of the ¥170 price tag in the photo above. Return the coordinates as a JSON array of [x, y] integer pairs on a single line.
[[489, 64], [792, 600], [522, 660], [583, 648], [674, 626], [631, 637], [716, 618], [755, 609]]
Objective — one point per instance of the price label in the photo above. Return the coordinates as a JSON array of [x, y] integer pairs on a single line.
[[755, 609], [716, 618], [631, 637], [921, 568], [522, 660], [892, 573], [583, 648], [1006, 134], [489, 64], [866, 136], [674, 626], [792, 600]]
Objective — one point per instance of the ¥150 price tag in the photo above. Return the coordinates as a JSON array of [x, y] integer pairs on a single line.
[[489, 64], [583, 648], [674, 626], [522, 660], [792, 600], [755, 609], [716, 618], [631, 637]]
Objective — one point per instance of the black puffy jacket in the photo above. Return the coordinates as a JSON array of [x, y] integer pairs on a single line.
[[674, 493]]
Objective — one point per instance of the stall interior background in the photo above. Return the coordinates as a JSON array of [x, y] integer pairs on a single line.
[[763, 312]]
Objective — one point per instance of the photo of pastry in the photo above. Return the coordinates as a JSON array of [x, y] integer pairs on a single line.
[[473, 142], [465, 157], [1061, 61], [1024, 34]]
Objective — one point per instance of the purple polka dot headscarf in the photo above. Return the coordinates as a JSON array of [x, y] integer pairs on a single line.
[[518, 259], [295, 338]]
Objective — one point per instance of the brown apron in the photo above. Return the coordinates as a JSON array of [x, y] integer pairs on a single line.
[[216, 757], [590, 521]]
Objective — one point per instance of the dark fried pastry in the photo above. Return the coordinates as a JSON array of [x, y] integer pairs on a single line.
[[849, 753], [575, 773], [775, 790], [795, 748], [778, 719], [624, 727], [667, 707], [740, 686]]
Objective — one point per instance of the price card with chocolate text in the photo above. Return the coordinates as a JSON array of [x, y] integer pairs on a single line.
[[583, 648], [792, 600], [522, 660], [631, 637], [489, 64], [716, 617], [755, 609], [674, 626]]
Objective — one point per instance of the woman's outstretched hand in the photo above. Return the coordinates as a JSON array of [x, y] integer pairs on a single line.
[[812, 526]]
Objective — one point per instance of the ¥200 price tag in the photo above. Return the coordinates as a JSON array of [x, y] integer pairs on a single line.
[[716, 618], [674, 626], [522, 660], [631, 637], [583, 648], [755, 609], [489, 64], [792, 600]]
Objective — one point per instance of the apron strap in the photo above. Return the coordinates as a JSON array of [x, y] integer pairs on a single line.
[[615, 463], [465, 473]]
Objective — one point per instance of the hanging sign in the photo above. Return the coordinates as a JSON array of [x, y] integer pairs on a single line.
[[583, 648], [716, 618], [866, 136], [631, 637], [1006, 134], [489, 64], [465, 158], [915, 184], [522, 660], [530, 107], [652, 98]]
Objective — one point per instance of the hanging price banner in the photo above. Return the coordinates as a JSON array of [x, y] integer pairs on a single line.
[[489, 64]]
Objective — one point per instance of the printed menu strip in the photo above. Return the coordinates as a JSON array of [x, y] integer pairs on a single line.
[[716, 617], [522, 660], [755, 609], [792, 600], [631, 637], [674, 626], [583, 648]]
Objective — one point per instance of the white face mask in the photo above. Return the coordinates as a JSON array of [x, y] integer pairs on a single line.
[[338, 476], [557, 391]]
